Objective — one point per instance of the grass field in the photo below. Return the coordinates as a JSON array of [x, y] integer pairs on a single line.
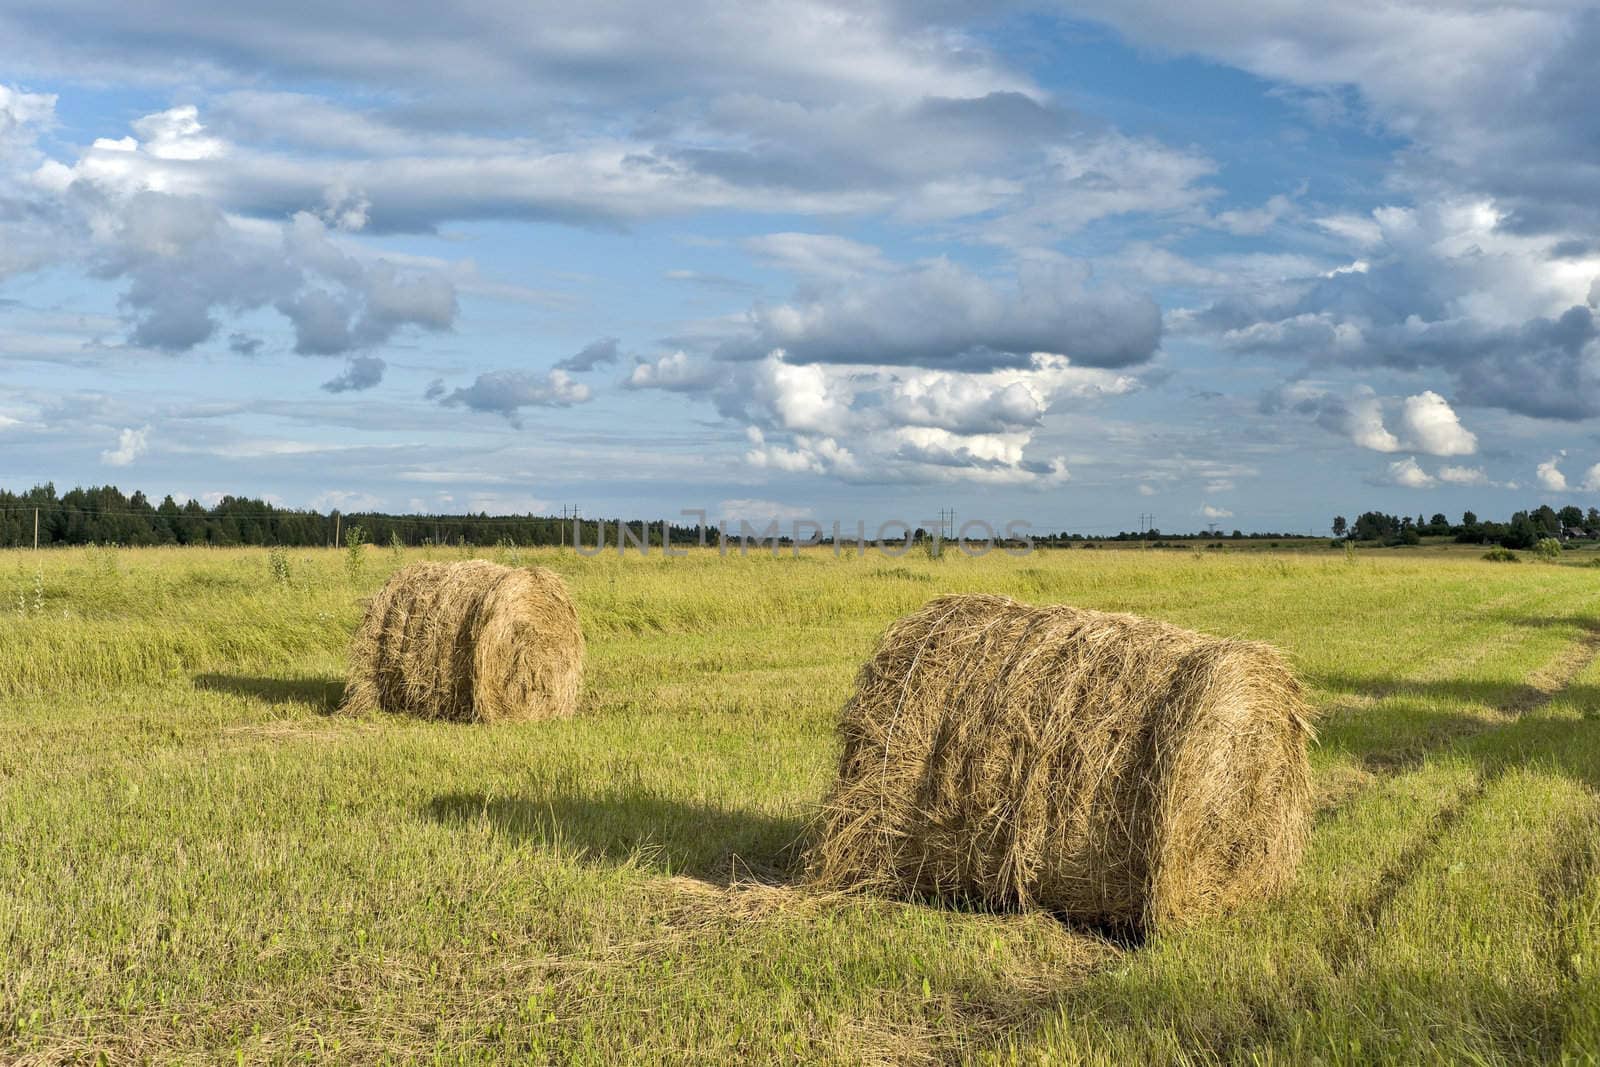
[[198, 862]]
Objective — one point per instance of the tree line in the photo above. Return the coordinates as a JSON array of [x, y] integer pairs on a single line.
[[105, 515], [1524, 530]]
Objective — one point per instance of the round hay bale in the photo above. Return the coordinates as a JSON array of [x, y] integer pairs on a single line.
[[472, 641], [1111, 769]]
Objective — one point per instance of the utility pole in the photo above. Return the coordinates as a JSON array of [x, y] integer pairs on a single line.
[[36, 529], [335, 529]]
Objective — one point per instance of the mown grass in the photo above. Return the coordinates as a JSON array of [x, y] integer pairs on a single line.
[[199, 862]]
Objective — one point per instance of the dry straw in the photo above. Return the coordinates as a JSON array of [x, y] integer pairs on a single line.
[[1111, 769], [472, 641]]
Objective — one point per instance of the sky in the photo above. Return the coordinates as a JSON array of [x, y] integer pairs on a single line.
[[1243, 266]]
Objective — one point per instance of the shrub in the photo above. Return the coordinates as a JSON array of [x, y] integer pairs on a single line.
[[1547, 548], [355, 552], [1502, 555], [278, 564]]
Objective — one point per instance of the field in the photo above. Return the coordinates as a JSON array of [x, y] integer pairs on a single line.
[[199, 862]]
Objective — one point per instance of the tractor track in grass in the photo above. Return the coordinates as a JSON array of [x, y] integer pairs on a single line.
[[1341, 785], [1540, 688], [1537, 691]]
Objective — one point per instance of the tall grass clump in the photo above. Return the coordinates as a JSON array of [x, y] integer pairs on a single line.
[[278, 565], [355, 553]]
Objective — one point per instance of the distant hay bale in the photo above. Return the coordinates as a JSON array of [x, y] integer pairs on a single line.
[[1107, 768], [472, 641]]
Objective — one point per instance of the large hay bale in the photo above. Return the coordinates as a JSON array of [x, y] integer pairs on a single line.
[[472, 641], [1110, 769]]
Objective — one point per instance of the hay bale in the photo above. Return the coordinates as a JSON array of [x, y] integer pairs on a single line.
[[1108, 768], [472, 641]]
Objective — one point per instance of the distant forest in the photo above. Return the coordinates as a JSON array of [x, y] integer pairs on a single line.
[[1526, 528], [105, 515]]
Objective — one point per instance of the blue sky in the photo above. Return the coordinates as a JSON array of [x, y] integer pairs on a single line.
[[1068, 263]]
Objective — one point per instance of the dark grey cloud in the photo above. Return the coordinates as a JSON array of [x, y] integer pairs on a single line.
[[244, 344], [939, 315], [1400, 314], [507, 392], [599, 353], [361, 372]]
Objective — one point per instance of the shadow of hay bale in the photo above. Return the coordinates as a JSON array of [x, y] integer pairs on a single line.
[[719, 845], [323, 694]]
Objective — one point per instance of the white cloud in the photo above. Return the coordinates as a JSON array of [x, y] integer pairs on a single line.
[[1550, 477], [900, 423], [1408, 475], [1364, 423], [131, 444], [676, 371], [1209, 512], [1432, 427], [1463, 475], [1428, 423], [1591, 480]]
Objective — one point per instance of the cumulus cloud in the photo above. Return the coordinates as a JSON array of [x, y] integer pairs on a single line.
[[361, 372], [187, 264], [887, 423], [938, 314], [507, 392], [1213, 513], [1450, 286], [131, 444], [1432, 426], [1550, 477], [1463, 475], [1406, 474], [676, 371], [1591, 480], [598, 353], [1428, 422]]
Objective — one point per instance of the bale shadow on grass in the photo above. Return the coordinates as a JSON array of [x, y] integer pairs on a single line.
[[323, 694], [718, 845]]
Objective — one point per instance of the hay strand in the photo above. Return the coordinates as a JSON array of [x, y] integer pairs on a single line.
[[1112, 769], [472, 642]]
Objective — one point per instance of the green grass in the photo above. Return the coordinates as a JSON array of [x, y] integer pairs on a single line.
[[199, 863]]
